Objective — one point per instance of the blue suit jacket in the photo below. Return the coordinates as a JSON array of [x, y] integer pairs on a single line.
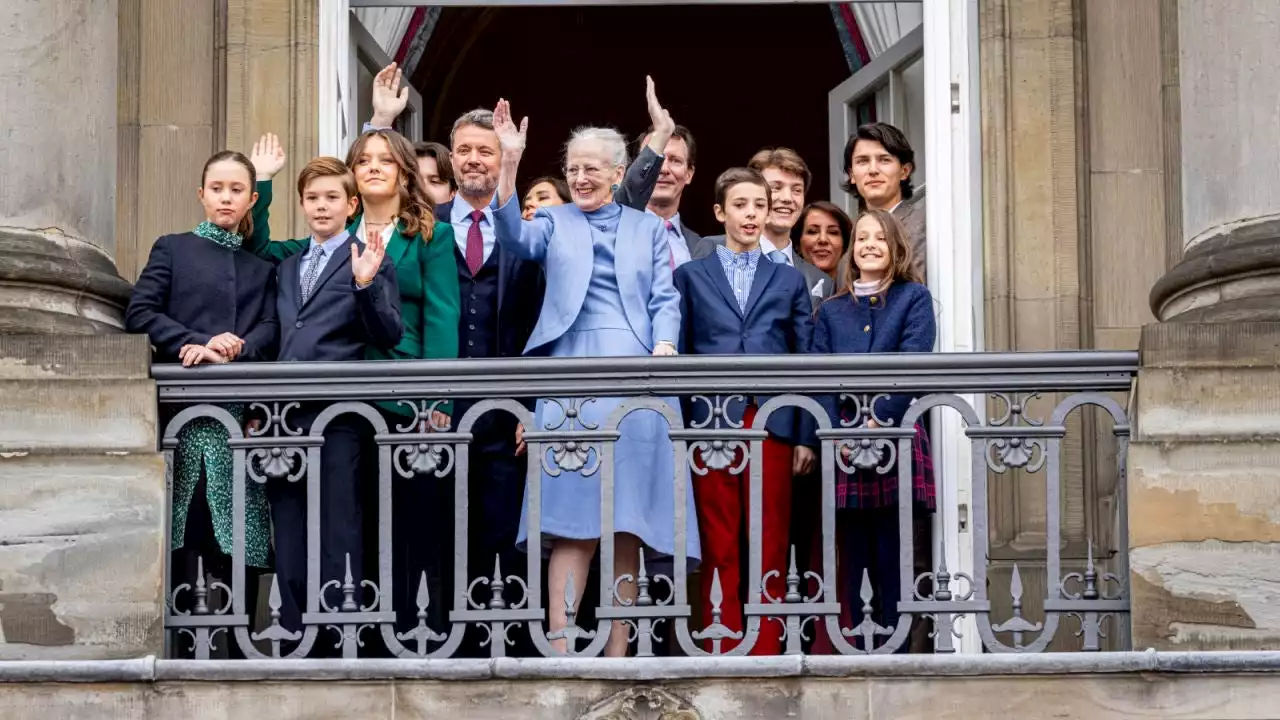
[[896, 321], [777, 320], [560, 238], [338, 319]]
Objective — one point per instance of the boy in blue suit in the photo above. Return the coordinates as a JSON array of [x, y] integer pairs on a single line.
[[735, 302], [334, 299]]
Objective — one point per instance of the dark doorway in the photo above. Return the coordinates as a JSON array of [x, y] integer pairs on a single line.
[[740, 77]]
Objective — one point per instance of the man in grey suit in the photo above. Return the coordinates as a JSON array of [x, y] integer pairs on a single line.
[[788, 178], [878, 162]]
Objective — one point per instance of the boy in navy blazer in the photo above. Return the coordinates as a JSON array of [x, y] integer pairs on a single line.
[[735, 302], [333, 299]]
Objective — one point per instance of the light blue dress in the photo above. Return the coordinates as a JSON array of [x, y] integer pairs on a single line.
[[644, 462]]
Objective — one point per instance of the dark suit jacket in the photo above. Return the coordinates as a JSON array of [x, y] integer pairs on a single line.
[[193, 289], [813, 277], [777, 321], [637, 188], [521, 286], [338, 320], [896, 321]]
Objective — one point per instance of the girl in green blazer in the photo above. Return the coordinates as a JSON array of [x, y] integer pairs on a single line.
[[393, 202]]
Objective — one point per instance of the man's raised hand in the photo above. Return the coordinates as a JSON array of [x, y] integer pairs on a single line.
[[510, 137], [663, 126]]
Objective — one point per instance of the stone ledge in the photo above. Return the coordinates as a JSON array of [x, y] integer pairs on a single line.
[[74, 357], [151, 669], [1121, 686], [1210, 344], [75, 417]]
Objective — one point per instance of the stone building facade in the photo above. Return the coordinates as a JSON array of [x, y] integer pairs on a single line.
[[1131, 199]]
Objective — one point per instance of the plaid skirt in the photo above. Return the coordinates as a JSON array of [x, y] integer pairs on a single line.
[[869, 490]]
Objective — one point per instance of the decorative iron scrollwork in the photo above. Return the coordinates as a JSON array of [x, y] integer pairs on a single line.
[[1015, 452], [571, 455], [285, 462], [423, 457]]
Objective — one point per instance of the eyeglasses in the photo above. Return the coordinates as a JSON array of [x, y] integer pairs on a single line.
[[589, 171]]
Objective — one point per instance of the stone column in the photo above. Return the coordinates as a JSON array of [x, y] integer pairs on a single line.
[[1204, 465], [1230, 101], [82, 488], [58, 163]]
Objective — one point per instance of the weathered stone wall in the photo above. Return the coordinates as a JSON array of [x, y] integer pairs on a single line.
[[1204, 487], [82, 499]]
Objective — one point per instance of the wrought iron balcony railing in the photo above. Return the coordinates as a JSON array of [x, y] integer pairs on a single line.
[[997, 435]]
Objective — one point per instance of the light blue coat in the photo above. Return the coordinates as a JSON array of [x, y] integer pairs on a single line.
[[560, 238]]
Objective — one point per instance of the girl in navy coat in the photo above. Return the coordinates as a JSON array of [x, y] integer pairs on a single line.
[[884, 308], [203, 299]]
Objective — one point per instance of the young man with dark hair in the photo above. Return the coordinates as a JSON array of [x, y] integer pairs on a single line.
[[436, 170], [878, 164], [734, 302]]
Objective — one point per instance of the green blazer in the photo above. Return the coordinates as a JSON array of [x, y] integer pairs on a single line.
[[427, 273]]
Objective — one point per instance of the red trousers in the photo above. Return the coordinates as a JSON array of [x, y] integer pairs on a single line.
[[723, 508]]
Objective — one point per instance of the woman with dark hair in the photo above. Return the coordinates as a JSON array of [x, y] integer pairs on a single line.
[[883, 308], [205, 299], [822, 234], [546, 191]]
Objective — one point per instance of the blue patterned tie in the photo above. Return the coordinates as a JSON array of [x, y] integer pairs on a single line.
[[312, 272]]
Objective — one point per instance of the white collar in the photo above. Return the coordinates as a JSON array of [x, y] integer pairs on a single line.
[[461, 210]]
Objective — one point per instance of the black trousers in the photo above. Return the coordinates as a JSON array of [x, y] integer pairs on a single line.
[[346, 442], [495, 492]]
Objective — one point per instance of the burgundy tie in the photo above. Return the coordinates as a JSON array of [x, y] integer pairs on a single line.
[[670, 251], [475, 243]]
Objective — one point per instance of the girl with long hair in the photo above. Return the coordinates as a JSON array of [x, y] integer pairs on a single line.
[[883, 308], [205, 299]]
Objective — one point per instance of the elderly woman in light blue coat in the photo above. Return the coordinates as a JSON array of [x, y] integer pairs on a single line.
[[609, 294]]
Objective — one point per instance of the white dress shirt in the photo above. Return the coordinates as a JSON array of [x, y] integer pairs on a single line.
[[675, 238], [786, 255]]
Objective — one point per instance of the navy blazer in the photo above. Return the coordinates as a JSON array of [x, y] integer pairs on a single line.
[[899, 320], [777, 321], [338, 320], [193, 289]]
